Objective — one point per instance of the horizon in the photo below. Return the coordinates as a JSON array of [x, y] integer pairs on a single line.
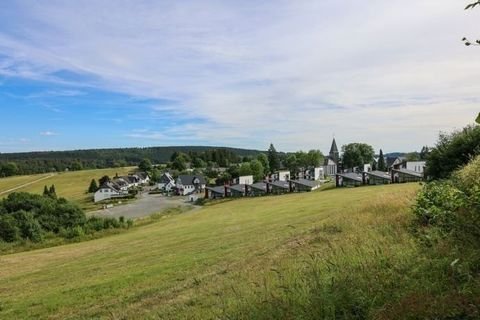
[[240, 75]]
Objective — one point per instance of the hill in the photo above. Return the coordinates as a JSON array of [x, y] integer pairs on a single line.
[[70, 185], [49, 161], [336, 252]]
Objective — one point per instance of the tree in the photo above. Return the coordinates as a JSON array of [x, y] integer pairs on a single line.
[[93, 186], [104, 180], [145, 165], [262, 157], [273, 159], [8, 169], [478, 118], [291, 162], [51, 192], [357, 154], [412, 156], [257, 170], [424, 153], [46, 193], [381, 165], [245, 169], [198, 163], [179, 164], [314, 158], [465, 40], [452, 151]]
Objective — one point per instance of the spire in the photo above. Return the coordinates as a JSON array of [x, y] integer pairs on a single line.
[[334, 155]]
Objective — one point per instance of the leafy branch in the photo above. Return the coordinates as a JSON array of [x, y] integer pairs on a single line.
[[465, 40]]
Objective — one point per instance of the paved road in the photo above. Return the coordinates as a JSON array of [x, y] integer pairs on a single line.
[[144, 206]]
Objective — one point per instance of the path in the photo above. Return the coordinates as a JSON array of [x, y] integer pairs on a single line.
[[144, 206], [27, 184]]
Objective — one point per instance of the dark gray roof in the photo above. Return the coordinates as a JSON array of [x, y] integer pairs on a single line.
[[409, 172], [334, 148], [166, 178], [281, 184], [188, 179], [351, 176], [260, 186], [307, 183], [110, 185], [380, 174], [220, 189], [238, 187]]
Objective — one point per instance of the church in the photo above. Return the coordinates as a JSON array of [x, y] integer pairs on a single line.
[[330, 166]]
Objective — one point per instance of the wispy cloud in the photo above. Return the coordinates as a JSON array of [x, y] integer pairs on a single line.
[[48, 133], [292, 72]]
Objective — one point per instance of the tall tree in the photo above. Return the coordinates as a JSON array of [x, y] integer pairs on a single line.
[[314, 158], [103, 180], [93, 186], [145, 165], [45, 191], [257, 170], [273, 159], [262, 157], [245, 169], [357, 154], [381, 165], [52, 192]]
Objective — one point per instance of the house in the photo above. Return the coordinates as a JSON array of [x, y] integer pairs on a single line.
[[244, 180], [404, 175], [376, 177], [143, 177], [239, 190], [305, 185], [280, 186], [216, 192], [108, 190], [187, 184], [313, 173], [416, 166], [122, 183], [281, 176], [393, 162], [166, 182], [259, 189], [351, 179]]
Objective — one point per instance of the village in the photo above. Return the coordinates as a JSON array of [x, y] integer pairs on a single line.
[[197, 186]]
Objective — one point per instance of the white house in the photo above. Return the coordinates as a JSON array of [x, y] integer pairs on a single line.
[[416, 166], [313, 174], [187, 184], [167, 182], [248, 180], [282, 176], [107, 191]]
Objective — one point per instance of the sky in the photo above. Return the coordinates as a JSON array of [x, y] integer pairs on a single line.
[[96, 74]]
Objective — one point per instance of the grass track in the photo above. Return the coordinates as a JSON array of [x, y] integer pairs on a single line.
[[199, 264], [71, 185]]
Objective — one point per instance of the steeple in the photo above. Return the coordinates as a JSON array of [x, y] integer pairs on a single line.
[[334, 155]]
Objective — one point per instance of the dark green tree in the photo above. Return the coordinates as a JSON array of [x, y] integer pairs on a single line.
[[356, 155], [381, 165], [93, 186], [273, 159], [314, 158], [262, 157], [104, 180], [52, 192], [46, 193], [257, 170], [145, 165]]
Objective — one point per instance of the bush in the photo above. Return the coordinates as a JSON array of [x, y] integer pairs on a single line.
[[29, 227], [9, 232]]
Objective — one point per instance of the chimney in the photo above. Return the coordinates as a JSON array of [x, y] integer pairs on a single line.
[[225, 190], [290, 185], [206, 193], [268, 187], [364, 178], [246, 189]]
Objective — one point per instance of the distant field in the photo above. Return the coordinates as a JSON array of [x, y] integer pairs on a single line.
[[71, 185], [211, 262]]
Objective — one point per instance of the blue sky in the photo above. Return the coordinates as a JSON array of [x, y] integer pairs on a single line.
[[92, 74]]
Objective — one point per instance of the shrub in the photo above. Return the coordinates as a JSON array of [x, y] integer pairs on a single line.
[[29, 227], [9, 232]]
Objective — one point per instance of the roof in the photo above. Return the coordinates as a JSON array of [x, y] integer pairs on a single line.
[[409, 172], [333, 148], [166, 178], [110, 185], [260, 186], [307, 183], [351, 176], [142, 175], [219, 189], [379, 174], [238, 187], [281, 184], [188, 179]]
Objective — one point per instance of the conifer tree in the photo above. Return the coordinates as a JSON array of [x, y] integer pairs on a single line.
[[273, 159], [46, 193], [381, 162], [93, 186], [52, 193]]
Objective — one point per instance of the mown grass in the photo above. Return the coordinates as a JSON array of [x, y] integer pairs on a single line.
[[249, 258], [70, 185]]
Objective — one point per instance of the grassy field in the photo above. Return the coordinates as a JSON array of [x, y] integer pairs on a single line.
[[71, 185], [224, 260]]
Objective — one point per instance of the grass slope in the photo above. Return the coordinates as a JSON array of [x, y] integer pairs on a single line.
[[211, 262], [70, 185]]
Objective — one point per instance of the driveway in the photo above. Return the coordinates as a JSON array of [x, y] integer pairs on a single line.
[[145, 205]]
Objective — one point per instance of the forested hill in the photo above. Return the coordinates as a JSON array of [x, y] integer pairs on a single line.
[[47, 161]]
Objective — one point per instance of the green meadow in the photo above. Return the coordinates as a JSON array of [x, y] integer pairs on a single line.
[[70, 185], [339, 253]]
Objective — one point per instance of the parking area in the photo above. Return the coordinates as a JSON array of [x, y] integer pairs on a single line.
[[145, 205]]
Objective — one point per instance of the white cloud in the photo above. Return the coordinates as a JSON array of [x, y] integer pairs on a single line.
[[48, 133], [293, 72]]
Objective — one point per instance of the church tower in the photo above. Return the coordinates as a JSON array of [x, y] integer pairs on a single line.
[[334, 155]]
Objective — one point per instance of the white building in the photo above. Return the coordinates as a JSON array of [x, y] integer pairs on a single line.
[[282, 176], [107, 191], [187, 184], [167, 182], [248, 180], [417, 166]]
